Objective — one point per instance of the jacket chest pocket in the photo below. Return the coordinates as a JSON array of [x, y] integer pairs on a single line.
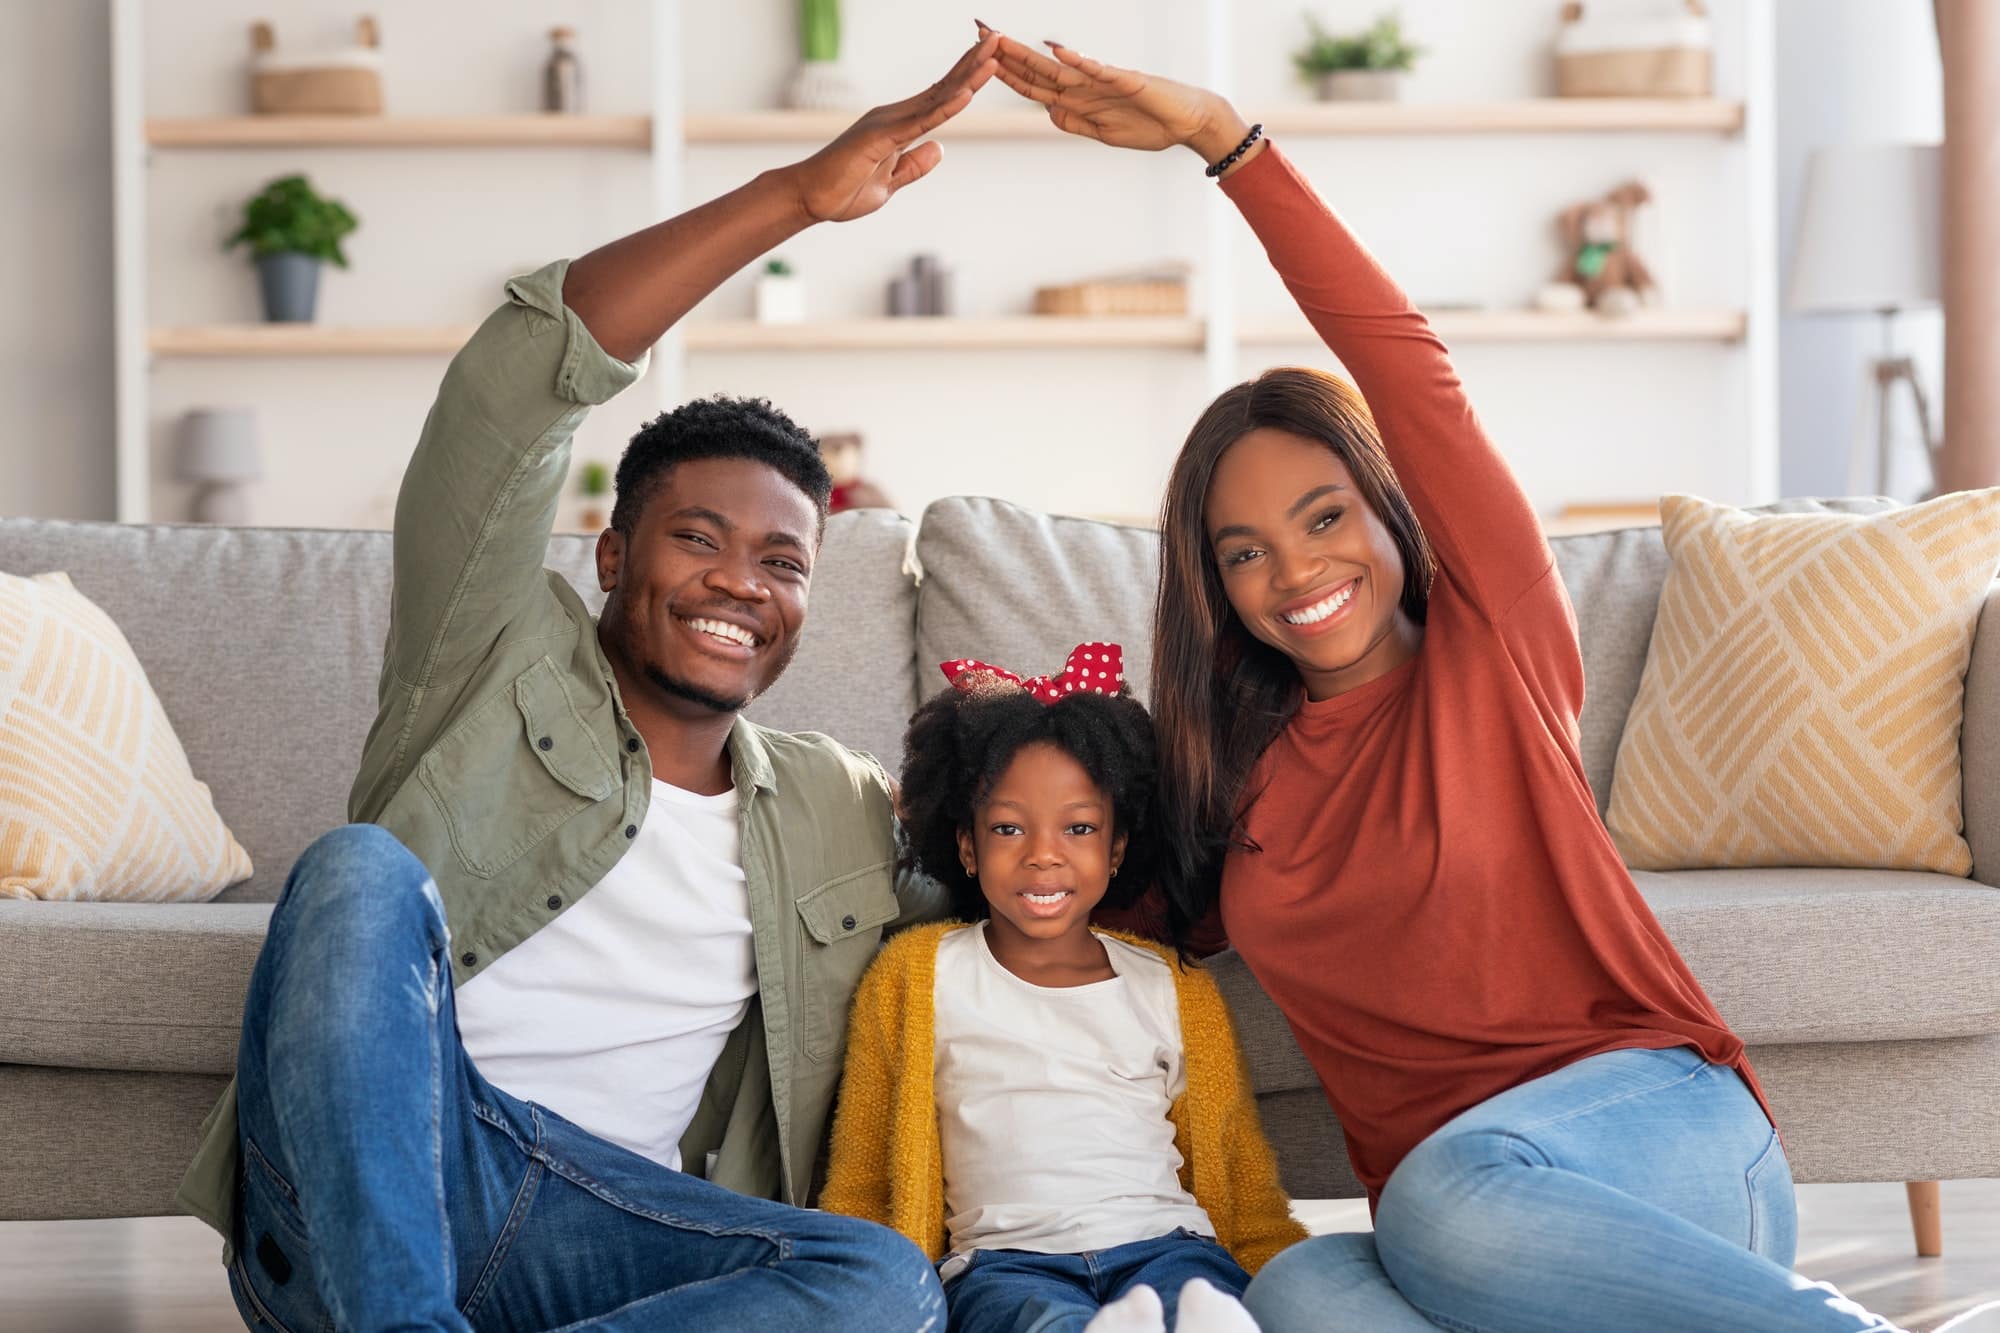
[[840, 927], [514, 769]]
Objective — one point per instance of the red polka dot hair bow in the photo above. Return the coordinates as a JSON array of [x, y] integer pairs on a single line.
[[1093, 668]]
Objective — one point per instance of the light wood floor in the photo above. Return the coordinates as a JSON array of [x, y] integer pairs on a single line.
[[161, 1275]]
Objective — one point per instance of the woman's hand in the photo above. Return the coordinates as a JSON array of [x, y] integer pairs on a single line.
[[1120, 107], [872, 159]]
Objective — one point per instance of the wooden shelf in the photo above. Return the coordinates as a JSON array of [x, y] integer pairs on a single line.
[[935, 334], [1575, 520], [1539, 115], [1529, 326], [1544, 115], [261, 340], [1019, 332], [1547, 115], [526, 131]]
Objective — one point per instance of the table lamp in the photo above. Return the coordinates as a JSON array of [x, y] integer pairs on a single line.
[[217, 451], [1869, 241]]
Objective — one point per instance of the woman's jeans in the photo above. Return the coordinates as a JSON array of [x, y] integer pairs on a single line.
[[386, 1185], [1633, 1190], [1017, 1291]]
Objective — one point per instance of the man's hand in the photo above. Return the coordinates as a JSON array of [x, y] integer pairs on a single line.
[[631, 291], [872, 159]]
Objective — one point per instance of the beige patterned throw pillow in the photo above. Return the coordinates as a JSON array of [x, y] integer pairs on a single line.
[[96, 800], [1802, 696]]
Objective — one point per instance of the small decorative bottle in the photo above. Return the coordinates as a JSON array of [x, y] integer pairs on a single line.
[[562, 77]]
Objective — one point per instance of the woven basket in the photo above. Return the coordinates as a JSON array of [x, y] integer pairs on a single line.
[[331, 83], [1666, 54], [1152, 293]]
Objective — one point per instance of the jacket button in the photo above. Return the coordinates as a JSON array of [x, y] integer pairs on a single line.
[[847, 923], [632, 746], [555, 903], [547, 743], [631, 830], [469, 958]]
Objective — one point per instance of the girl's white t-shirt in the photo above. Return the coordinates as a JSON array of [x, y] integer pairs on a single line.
[[614, 1014], [1052, 1104]]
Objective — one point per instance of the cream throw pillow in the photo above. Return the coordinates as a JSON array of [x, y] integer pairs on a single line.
[[1802, 695], [96, 800]]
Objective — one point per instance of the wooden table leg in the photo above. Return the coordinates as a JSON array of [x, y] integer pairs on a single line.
[[1926, 1217]]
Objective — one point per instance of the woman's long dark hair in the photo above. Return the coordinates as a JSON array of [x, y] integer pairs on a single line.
[[1220, 696]]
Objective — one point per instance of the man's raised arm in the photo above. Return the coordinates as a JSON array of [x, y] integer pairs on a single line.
[[479, 499]]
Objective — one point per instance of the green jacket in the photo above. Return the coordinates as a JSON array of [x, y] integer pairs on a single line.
[[502, 756]]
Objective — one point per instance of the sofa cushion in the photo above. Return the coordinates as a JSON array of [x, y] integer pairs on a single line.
[[1614, 580], [96, 798], [1788, 956], [1019, 589], [138, 986], [855, 677], [1795, 955], [1781, 721], [265, 646]]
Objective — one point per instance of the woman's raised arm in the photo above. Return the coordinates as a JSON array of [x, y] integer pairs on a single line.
[[1489, 542]]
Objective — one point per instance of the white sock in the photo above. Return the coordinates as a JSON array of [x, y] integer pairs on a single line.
[[1137, 1311], [1207, 1308]]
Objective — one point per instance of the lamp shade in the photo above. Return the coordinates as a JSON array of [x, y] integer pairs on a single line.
[[1870, 234], [217, 445]]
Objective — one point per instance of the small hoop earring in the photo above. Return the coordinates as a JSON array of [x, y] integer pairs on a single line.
[[970, 873], [1114, 872]]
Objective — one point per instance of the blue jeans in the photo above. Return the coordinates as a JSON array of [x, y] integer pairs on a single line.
[[1637, 1189], [1018, 1291], [386, 1185]]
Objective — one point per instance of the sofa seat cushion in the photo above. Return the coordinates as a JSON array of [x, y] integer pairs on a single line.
[[1795, 955], [134, 986], [1789, 957]]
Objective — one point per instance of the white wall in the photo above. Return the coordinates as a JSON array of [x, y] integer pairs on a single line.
[[55, 229], [1457, 220], [1850, 71]]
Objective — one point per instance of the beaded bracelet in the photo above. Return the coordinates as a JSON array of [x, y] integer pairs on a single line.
[[1256, 133]]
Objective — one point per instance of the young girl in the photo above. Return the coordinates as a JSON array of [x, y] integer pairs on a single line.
[[1058, 1113], [1368, 685]]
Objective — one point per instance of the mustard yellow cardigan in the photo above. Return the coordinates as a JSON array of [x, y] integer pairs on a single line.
[[886, 1166]]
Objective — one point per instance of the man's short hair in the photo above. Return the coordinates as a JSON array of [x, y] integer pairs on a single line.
[[717, 427]]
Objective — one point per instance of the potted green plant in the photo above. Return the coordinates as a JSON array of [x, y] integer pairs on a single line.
[[820, 84], [1365, 66], [781, 295], [593, 483], [291, 230]]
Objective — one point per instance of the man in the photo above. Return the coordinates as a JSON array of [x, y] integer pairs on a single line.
[[644, 914]]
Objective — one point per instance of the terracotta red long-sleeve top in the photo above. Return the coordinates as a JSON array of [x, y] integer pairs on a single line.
[[1436, 906]]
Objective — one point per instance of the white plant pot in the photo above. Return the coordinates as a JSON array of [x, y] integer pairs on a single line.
[[1360, 85], [821, 85], [781, 299]]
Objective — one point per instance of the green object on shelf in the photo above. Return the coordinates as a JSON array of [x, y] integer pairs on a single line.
[[1591, 257], [289, 217], [778, 268], [1379, 46], [819, 29], [593, 479]]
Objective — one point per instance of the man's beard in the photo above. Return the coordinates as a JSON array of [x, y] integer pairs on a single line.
[[680, 689]]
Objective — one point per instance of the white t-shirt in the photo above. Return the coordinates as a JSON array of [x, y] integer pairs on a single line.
[[613, 1014], [1052, 1104]]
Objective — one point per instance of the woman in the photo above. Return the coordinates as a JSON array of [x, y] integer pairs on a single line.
[[1367, 685]]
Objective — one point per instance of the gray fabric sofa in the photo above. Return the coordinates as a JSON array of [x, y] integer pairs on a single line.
[[1871, 1000]]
